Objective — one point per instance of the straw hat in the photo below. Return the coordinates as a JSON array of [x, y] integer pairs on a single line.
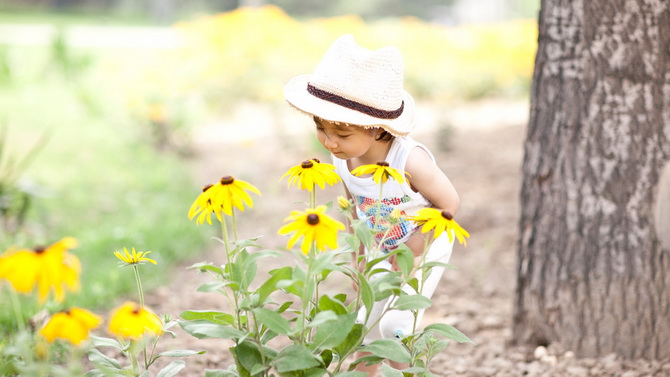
[[355, 85]]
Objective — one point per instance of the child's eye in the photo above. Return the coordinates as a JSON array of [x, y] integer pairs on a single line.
[[343, 136]]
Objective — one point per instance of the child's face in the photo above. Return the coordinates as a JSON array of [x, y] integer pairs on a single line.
[[343, 141]]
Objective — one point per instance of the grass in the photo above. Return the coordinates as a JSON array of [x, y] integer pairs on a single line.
[[96, 179]]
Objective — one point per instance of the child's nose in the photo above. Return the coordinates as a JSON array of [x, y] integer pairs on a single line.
[[329, 143]]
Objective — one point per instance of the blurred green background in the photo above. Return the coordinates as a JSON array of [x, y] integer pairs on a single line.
[[100, 102]]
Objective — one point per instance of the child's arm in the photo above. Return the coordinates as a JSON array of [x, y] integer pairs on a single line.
[[428, 179]]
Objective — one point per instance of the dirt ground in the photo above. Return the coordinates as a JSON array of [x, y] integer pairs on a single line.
[[480, 147]]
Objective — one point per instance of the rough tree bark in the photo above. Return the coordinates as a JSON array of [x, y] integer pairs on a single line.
[[592, 273]]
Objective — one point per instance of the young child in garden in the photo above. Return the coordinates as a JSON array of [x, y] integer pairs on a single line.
[[363, 116]]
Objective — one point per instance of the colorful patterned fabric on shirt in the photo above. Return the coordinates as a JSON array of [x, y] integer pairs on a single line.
[[399, 232]]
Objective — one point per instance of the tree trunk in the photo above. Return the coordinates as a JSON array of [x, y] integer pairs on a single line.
[[592, 273]]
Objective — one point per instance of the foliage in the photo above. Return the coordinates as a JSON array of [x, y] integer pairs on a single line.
[[15, 197], [318, 331], [94, 177]]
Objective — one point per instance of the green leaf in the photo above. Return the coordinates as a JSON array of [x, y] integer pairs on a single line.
[[326, 303], [414, 370], [103, 361], [202, 267], [449, 332], [295, 357], [438, 264], [270, 285], [332, 333], [172, 369], [322, 317], [247, 355], [219, 373], [405, 259], [413, 302], [388, 371], [205, 329], [209, 315], [322, 262], [211, 286], [367, 296], [363, 233], [106, 342], [353, 340], [272, 320], [179, 353], [327, 357], [351, 374], [258, 369], [389, 349]]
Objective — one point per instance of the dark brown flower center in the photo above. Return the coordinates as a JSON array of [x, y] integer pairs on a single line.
[[316, 160], [39, 249], [136, 311], [312, 219], [227, 180], [383, 163], [447, 215], [205, 188], [307, 164]]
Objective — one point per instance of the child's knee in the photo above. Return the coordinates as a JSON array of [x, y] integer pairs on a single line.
[[396, 324]]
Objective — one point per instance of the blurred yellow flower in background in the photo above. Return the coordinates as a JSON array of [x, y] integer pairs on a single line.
[[380, 171], [49, 268], [222, 197], [311, 173], [133, 258], [315, 226], [431, 218], [131, 321], [72, 325]]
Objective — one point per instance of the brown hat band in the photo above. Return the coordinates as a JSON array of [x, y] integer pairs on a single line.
[[365, 109]]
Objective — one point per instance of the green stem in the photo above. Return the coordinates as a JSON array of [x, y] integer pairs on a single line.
[[234, 218], [133, 359], [427, 244], [139, 285], [229, 256], [258, 340], [224, 233], [306, 294], [377, 217], [16, 304], [312, 197]]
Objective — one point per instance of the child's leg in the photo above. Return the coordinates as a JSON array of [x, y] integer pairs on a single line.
[[400, 323]]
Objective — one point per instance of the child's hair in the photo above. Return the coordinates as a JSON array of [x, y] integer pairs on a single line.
[[384, 136]]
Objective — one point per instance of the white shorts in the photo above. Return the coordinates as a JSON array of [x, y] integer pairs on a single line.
[[400, 323]]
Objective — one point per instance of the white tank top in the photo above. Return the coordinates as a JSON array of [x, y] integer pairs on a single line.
[[365, 193]]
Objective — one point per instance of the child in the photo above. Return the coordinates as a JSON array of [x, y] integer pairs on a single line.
[[362, 116]]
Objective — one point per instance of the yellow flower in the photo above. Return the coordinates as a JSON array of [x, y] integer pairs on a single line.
[[72, 325], [132, 321], [135, 257], [221, 197], [344, 203], [311, 173], [395, 216], [49, 268], [315, 226], [431, 218], [380, 171]]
